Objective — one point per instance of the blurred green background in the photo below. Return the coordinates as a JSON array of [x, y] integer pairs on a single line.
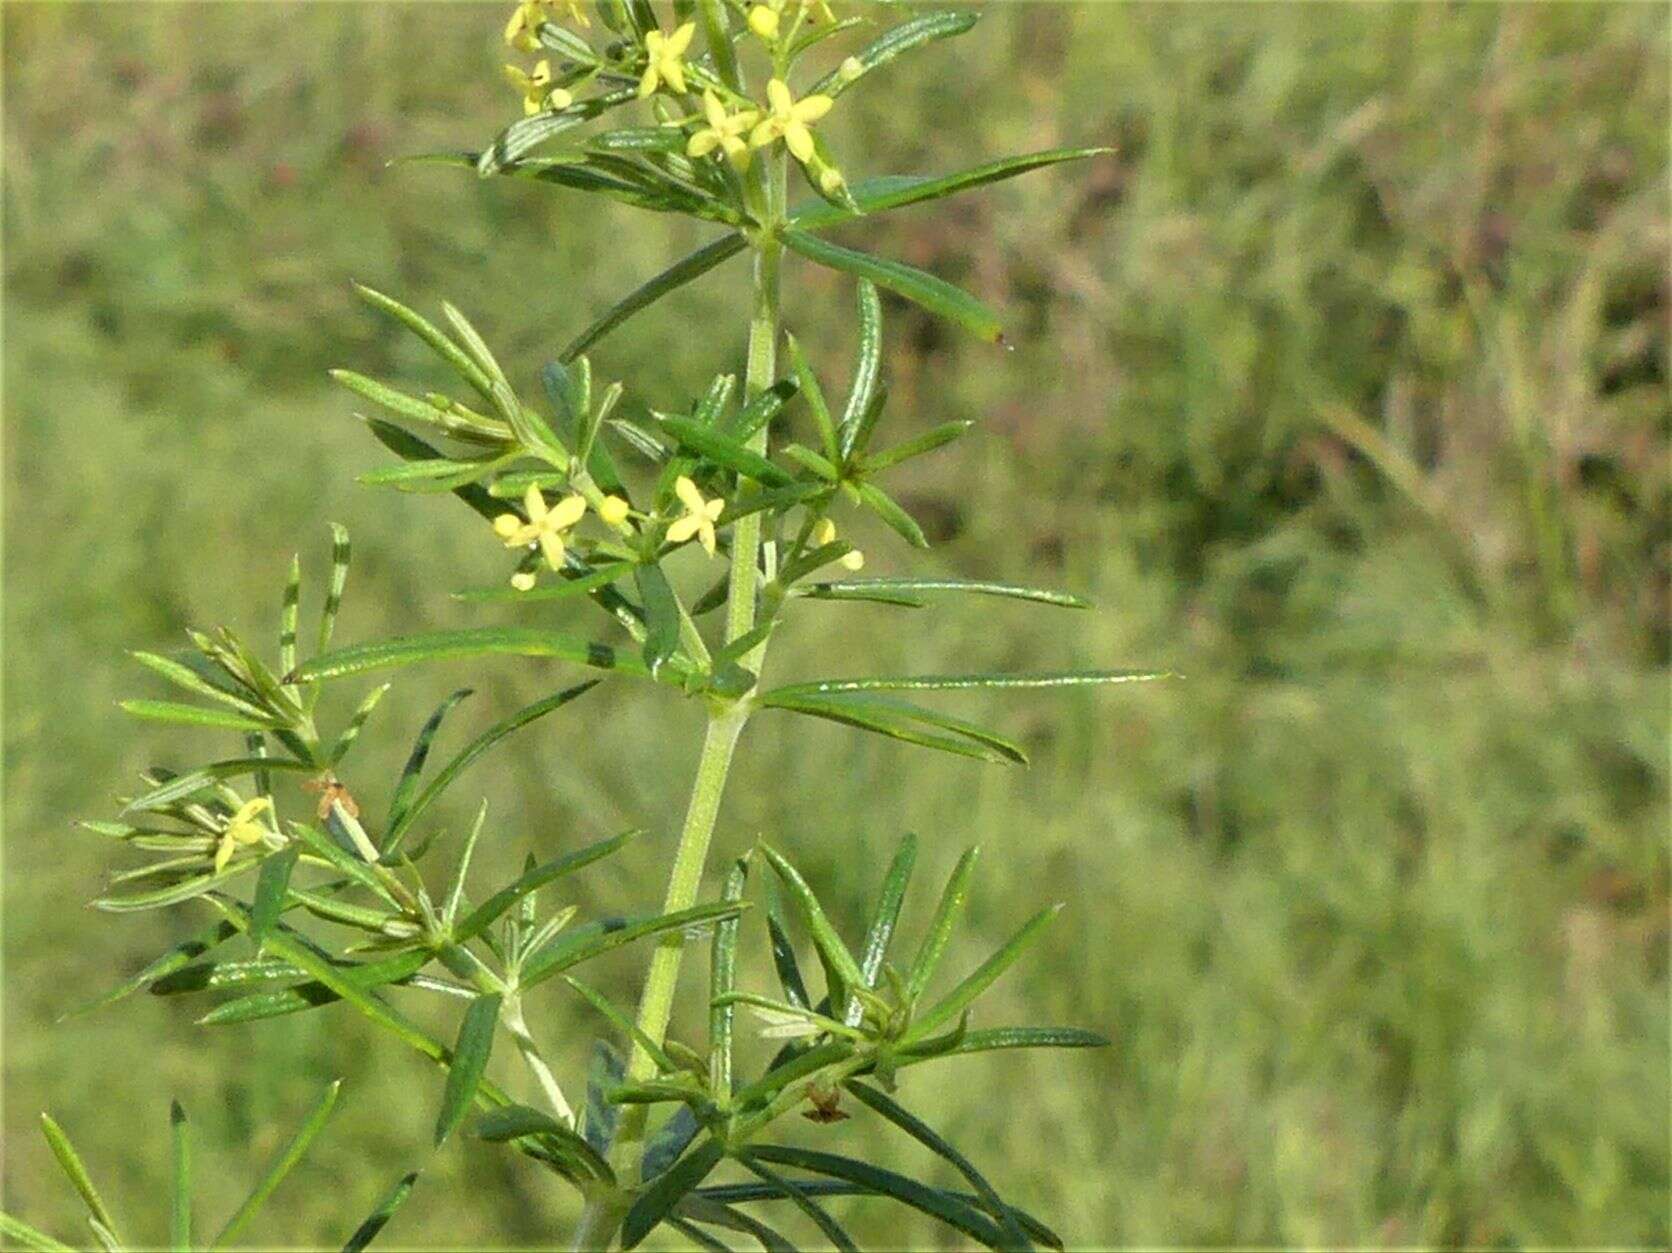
[[1342, 389]]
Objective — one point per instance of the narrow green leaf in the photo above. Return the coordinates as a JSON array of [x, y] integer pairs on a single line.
[[954, 1002], [271, 885], [29, 1237], [174, 893], [585, 943], [341, 553], [935, 1143], [722, 979], [433, 336], [403, 443], [180, 1210], [962, 682], [363, 979], [379, 1218], [661, 609], [783, 951], [896, 42], [1010, 1038], [489, 911], [761, 409], [406, 650], [935, 437], [400, 823], [934, 294], [816, 404], [832, 950], [407, 786], [738, 1193], [565, 587], [658, 1200], [603, 1072], [351, 732], [900, 720], [671, 279], [513, 1122], [184, 676], [69, 1161], [898, 520], [879, 195], [717, 34], [470, 1063], [289, 613], [177, 957], [280, 1167], [858, 589], [725, 451], [883, 917], [795, 1193], [194, 715], [866, 372], [951, 906], [697, 1236], [945, 1206]]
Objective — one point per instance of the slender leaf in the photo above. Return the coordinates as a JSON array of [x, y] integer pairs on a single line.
[[658, 1200], [722, 979], [945, 1206], [432, 335], [954, 1002], [183, 675], [671, 279], [856, 589], [902, 39], [900, 720], [271, 886], [351, 732], [603, 1072], [280, 1167], [485, 914], [407, 786], [831, 949], [567, 586], [1017, 1038], [947, 913], [793, 1191], [883, 918], [585, 943], [176, 957], [69, 1161], [934, 294], [401, 823], [184, 785], [513, 1122], [30, 1238], [726, 451], [816, 404], [661, 609], [406, 650], [866, 371], [193, 715], [470, 1063], [379, 1218], [930, 440], [961, 682], [180, 1209], [898, 520]]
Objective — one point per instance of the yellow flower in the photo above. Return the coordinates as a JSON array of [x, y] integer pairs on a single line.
[[825, 533], [613, 510], [764, 21], [790, 119], [723, 131], [525, 21], [700, 515], [545, 526], [241, 828], [538, 93], [664, 53]]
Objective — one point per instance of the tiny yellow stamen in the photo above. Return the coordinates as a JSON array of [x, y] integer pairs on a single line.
[[665, 59], [700, 516]]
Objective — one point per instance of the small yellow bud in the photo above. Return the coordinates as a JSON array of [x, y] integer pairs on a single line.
[[560, 98], [763, 21], [613, 510], [851, 69], [853, 561], [523, 580], [506, 525], [831, 180], [824, 533]]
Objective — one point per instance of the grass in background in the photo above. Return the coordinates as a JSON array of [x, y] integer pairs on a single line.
[[1342, 388]]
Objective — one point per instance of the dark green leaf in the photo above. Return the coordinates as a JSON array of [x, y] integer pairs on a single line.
[[437, 340], [674, 277], [175, 958], [951, 906], [900, 720], [29, 1237], [470, 1063], [193, 781], [603, 1073], [379, 1218], [883, 917], [271, 885], [407, 787], [961, 682], [761, 409], [722, 979], [658, 1200], [828, 436], [513, 1122], [485, 914], [407, 650], [194, 715], [898, 520], [1020, 1038], [866, 372], [930, 440], [725, 451], [585, 943], [661, 609], [792, 1191], [567, 585], [934, 294], [867, 589], [838, 961]]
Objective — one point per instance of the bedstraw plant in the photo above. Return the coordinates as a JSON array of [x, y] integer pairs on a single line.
[[696, 530]]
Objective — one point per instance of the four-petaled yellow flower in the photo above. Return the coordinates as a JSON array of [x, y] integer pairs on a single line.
[[825, 533], [790, 119], [724, 131], [545, 526], [538, 93], [525, 21], [241, 828], [666, 64], [700, 515]]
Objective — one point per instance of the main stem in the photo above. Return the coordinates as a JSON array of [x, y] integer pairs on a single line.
[[601, 1216]]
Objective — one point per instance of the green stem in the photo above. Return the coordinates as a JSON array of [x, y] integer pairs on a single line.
[[603, 1213]]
